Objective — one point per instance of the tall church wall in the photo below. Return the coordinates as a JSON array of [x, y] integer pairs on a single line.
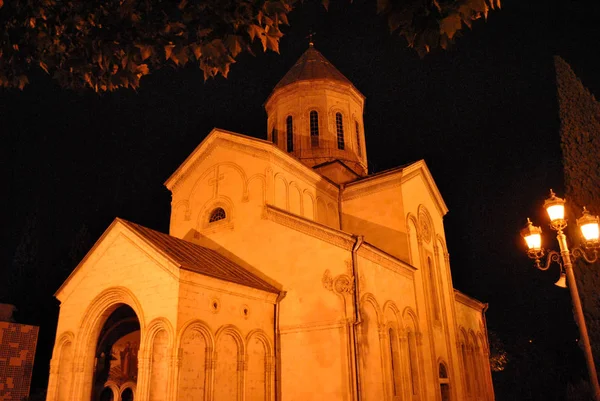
[[313, 338], [378, 216]]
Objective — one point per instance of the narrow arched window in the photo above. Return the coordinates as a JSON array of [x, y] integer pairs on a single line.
[[314, 129], [412, 362], [394, 362], [444, 383], [339, 128], [274, 135], [433, 290], [358, 142], [289, 125], [216, 215], [466, 368]]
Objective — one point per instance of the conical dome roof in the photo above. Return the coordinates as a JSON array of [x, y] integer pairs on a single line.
[[310, 66]]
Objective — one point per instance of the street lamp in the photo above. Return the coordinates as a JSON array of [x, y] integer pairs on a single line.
[[590, 232]]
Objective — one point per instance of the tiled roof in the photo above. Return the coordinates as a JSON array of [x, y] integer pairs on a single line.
[[199, 259], [312, 65]]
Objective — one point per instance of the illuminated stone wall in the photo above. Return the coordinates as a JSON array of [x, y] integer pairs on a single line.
[[580, 141]]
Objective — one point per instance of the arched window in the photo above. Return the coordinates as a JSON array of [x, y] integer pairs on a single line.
[[216, 215], [314, 129], [444, 383], [290, 133], [394, 362], [433, 290], [339, 128], [412, 363], [274, 136], [358, 142], [466, 367]]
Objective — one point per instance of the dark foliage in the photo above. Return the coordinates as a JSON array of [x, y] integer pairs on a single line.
[[112, 44]]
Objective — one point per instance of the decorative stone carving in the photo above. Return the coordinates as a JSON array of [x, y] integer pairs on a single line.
[[343, 284], [327, 280]]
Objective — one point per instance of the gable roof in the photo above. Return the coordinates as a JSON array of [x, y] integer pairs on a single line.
[[310, 66], [404, 172], [185, 255], [199, 259]]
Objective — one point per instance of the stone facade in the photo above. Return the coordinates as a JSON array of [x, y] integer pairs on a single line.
[[287, 274]]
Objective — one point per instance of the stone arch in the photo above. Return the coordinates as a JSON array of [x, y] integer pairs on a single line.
[[370, 299], [442, 244], [281, 191], [295, 198], [194, 356], [156, 325], [199, 326], [413, 352], [261, 179], [224, 203], [180, 211], [321, 211], [62, 365], [91, 324], [390, 309], [413, 239], [332, 215], [372, 359], [392, 347], [410, 319], [229, 364], [309, 205], [157, 342], [259, 366]]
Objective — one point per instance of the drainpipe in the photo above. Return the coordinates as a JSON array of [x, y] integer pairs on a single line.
[[340, 192], [357, 318], [277, 346]]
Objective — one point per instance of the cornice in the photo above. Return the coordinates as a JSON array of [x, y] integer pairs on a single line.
[[372, 185], [384, 259], [394, 178], [309, 227], [311, 86], [468, 301]]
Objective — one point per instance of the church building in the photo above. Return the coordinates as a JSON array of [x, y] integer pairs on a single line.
[[288, 273]]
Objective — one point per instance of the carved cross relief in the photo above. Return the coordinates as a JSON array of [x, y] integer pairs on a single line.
[[214, 182]]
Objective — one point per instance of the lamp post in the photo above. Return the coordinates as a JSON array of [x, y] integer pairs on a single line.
[[588, 225]]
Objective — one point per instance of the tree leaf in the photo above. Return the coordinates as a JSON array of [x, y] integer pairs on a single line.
[[168, 51], [232, 42], [450, 25]]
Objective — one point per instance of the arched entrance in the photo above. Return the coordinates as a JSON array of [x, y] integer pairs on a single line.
[[116, 355]]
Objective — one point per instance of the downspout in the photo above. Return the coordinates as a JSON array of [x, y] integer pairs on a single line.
[[277, 346], [340, 192], [357, 318]]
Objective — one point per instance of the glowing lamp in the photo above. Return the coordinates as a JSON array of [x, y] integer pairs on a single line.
[[555, 207], [532, 236], [588, 225]]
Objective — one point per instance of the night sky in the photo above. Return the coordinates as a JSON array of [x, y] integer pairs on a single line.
[[484, 116]]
